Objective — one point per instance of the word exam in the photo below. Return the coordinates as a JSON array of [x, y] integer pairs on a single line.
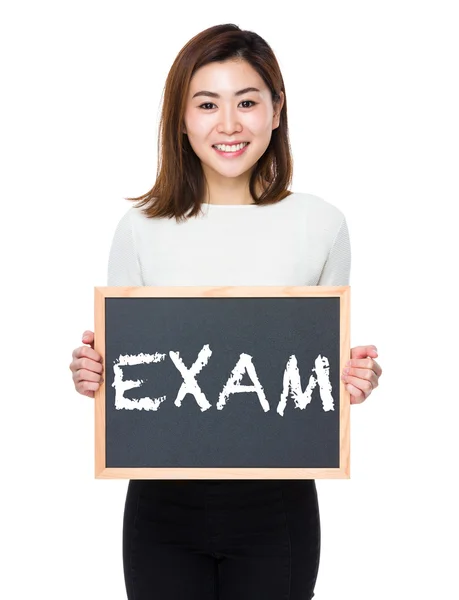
[[291, 382]]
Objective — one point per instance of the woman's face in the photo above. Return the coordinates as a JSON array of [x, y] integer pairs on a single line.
[[229, 103]]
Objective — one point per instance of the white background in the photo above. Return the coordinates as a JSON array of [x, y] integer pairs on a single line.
[[372, 91]]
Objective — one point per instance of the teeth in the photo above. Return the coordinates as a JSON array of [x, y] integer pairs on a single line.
[[232, 148]]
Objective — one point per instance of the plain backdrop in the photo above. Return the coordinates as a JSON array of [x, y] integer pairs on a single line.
[[372, 91]]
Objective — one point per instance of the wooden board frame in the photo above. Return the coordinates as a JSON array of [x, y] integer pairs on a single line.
[[103, 472]]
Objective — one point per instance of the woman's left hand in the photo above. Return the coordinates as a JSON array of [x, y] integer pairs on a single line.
[[361, 374]]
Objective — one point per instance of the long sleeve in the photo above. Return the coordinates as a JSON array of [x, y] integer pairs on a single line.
[[337, 268], [123, 264]]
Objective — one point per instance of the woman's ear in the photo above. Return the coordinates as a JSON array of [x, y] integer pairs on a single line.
[[277, 110]]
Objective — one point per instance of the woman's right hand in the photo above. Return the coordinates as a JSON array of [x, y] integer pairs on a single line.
[[86, 366]]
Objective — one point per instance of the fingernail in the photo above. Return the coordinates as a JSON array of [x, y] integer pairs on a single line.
[[348, 364]]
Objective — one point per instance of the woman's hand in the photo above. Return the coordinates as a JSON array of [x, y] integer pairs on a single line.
[[361, 373], [86, 367]]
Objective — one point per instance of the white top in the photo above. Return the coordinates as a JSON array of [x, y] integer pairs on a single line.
[[301, 240]]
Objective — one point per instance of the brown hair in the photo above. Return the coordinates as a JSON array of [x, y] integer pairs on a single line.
[[180, 182]]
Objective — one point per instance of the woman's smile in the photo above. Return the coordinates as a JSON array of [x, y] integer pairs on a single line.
[[231, 150]]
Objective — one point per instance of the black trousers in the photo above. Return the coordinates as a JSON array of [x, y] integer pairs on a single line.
[[221, 539]]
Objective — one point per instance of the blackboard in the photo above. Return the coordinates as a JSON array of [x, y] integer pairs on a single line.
[[222, 382]]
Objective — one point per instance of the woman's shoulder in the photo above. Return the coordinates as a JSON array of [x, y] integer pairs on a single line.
[[135, 218], [313, 206]]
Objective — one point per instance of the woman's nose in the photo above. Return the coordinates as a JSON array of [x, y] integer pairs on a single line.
[[229, 121]]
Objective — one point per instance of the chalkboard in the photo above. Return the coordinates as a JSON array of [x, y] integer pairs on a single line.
[[224, 383]]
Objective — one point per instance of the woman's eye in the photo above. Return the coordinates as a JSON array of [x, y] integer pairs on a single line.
[[211, 105]]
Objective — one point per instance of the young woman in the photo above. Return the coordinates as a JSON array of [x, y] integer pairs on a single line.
[[220, 213]]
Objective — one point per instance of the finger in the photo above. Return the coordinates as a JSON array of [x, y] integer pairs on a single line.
[[86, 352], [362, 363], [364, 351], [365, 363], [86, 363], [89, 365], [357, 396], [87, 386], [85, 375], [88, 338], [377, 369], [363, 385], [361, 374]]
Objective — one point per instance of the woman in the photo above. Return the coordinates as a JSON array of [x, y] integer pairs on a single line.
[[220, 213]]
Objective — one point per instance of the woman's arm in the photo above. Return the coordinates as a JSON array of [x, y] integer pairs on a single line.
[[337, 267], [123, 270], [361, 373], [124, 266]]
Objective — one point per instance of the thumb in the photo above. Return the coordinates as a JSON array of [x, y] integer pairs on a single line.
[[364, 351], [88, 338]]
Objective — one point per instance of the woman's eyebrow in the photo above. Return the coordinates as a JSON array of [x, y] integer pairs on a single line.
[[214, 95]]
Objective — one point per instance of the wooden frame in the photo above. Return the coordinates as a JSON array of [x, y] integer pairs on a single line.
[[343, 472]]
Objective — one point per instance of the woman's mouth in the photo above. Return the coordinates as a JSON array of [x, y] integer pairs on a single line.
[[230, 150]]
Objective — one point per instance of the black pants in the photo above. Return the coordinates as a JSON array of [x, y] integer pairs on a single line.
[[221, 539]]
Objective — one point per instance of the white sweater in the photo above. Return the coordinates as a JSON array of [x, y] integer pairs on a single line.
[[302, 240]]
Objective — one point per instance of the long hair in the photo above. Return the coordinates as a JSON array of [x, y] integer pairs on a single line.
[[180, 183]]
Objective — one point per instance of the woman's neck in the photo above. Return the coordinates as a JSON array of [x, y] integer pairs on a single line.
[[226, 190]]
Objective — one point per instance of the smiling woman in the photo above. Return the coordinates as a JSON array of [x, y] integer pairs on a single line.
[[235, 124], [223, 133], [221, 214]]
